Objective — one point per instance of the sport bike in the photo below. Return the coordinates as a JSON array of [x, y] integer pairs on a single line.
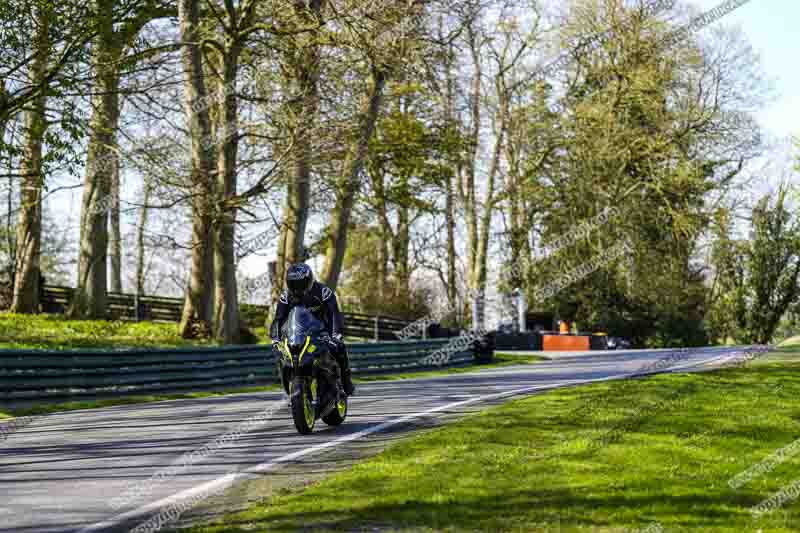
[[310, 374]]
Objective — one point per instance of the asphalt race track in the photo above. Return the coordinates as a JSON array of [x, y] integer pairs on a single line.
[[85, 471]]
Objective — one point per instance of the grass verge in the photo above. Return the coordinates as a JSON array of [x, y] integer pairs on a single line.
[[650, 454], [54, 332]]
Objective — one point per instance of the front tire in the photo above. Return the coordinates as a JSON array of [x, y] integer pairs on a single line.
[[338, 414], [302, 410]]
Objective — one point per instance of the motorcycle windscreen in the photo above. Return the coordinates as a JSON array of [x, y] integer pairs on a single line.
[[300, 324]]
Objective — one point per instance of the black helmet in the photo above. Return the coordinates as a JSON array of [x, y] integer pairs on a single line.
[[299, 279]]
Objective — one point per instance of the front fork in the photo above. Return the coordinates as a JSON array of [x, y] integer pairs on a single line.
[[287, 376], [286, 373]]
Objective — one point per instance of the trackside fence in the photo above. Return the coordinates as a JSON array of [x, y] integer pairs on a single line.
[[38, 375]]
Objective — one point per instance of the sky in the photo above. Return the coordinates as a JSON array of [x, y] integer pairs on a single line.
[[770, 26]]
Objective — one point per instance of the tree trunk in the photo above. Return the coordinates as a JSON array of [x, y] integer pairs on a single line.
[[480, 265], [3, 118], [305, 82], [467, 191], [198, 305], [517, 217], [140, 229], [383, 264], [401, 243], [478, 229], [450, 221], [514, 231], [349, 185], [109, 46], [29, 227], [385, 231], [226, 323], [91, 294], [291, 243], [451, 243], [115, 242], [11, 241]]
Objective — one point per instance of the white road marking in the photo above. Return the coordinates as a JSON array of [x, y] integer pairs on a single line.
[[221, 483]]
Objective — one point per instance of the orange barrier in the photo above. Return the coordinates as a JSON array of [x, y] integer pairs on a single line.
[[565, 343]]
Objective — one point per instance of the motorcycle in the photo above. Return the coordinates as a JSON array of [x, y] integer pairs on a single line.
[[309, 372]]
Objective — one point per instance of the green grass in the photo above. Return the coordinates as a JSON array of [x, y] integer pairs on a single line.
[[607, 457], [54, 332], [791, 341]]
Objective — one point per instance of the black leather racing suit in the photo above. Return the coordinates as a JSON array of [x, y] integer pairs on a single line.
[[321, 301]]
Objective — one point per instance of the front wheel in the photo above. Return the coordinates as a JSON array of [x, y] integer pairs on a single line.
[[338, 414], [302, 410]]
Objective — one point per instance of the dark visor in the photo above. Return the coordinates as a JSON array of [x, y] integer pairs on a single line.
[[298, 286]]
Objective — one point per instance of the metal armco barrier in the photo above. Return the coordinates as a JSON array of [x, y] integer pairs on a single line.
[[34, 375]]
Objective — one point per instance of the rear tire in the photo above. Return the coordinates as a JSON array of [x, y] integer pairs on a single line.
[[338, 414], [302, 411]]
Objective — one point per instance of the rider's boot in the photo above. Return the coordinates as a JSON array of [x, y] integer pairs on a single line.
[[347, 379], [347, 382]]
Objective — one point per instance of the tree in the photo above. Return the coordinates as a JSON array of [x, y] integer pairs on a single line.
[[147, 193], [502, 60], [361, 287], [405, 175], [29, 228], [239, 24], [301, 77], [756, 280], [67, 46], [658, 136], [117, 27], [727, 306], [383, 45], [350, 180], [197, 317], [773, 263]]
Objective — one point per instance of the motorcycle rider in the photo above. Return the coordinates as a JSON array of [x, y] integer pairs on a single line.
[[302, 289]]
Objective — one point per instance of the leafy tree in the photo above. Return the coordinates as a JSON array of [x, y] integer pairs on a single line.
[[652, 135], [727, 311], [774, 265], [758, 277], [360, 288], [403, 174]]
